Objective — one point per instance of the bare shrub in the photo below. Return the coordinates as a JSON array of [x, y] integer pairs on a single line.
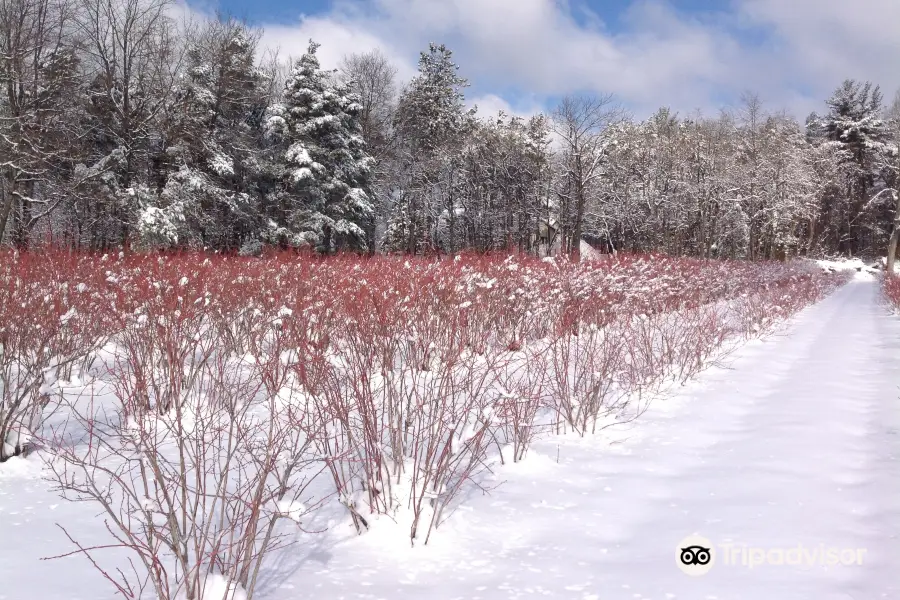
[[240, 395]]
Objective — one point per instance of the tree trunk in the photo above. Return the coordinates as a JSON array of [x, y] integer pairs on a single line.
[[451, 213], [4, 212], [579, 215], [895, 236]]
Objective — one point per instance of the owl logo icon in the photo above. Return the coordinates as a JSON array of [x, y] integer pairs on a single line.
[[695, 556]]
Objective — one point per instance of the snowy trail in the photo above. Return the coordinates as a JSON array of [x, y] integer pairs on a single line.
[[797, 442]]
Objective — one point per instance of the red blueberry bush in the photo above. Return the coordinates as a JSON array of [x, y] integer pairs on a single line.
[[221, 397], [892, 289]]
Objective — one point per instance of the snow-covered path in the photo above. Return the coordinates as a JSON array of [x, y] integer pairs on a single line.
[[796, 443]]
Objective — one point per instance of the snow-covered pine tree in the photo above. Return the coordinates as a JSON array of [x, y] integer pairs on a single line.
[[324, 200], [430, 123], [854, 127], [212, 140], [814, 128]]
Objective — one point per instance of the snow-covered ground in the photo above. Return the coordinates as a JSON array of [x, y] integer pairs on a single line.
[[795, 443], [853, 264]]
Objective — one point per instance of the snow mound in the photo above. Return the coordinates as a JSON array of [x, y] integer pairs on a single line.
[[216, 587], [19, 467], [865, 269], [588, 252]]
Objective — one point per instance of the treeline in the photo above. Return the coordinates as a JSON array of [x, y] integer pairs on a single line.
[[122, 127]]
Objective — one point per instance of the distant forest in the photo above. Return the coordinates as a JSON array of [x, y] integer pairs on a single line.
[[120, 127]]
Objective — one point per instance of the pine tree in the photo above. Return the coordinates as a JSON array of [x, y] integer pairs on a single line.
[[855, 129], [854, 120], [324, 201], [206, 172], [430, 121]]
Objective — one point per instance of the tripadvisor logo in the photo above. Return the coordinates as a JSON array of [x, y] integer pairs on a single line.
[[696, 556]]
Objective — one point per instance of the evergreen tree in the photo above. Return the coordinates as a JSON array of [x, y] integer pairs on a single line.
[[855, 129], [207, 170], [324, 201], [430, 121]]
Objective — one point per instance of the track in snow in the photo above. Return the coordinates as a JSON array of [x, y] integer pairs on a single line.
[[796, 443]]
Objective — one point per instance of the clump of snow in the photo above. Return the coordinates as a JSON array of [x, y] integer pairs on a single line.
[[843, 264], [292, 509], [251, 247], [156, 224], [21, 467], [222, 165], [298, 154], [64, 319], [301, 174], [217, 587], [863, 270]]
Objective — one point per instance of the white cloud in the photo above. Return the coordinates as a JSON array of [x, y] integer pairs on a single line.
[[338, 38], [819, 43], [793, 53], [538, 46], [491, 104]]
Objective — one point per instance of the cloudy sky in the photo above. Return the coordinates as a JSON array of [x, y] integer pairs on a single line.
[[522, 55]]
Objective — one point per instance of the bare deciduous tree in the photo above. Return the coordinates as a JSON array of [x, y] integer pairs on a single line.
[[894, 167], [38, 72], [579, 122], [132, 55], [372, 76]]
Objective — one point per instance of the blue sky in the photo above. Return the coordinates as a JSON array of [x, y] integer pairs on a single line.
[[268, 11], [521, 55], [265, 11]]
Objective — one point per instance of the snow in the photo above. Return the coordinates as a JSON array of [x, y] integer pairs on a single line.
[[790, 445], [64, 319], [851, 264], [159, 224], [298, 154], [222, 165], [794, 444], [588, 252], [292, 509], [217, 587], [301, 174]]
